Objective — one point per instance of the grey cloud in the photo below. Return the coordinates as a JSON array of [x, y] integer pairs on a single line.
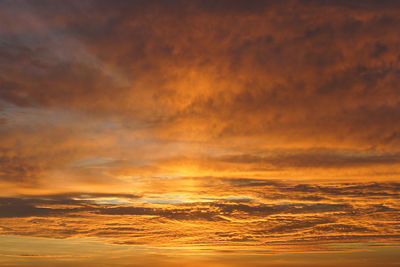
[[317, 159], [333, 191], [13, 207]]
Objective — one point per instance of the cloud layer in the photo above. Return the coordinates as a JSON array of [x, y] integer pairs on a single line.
[[267, 214], [263, 125]]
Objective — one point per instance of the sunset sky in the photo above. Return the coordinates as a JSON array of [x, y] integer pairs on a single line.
[[199, 133]]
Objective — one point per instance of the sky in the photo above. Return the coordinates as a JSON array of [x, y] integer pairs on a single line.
[[199, 133]]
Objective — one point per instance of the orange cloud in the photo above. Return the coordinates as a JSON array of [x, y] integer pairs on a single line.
[[248, 127]]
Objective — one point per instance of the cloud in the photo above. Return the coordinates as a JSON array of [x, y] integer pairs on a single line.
[[317, 159], [292, 215], [265, 210], [293, 79], [216, 124], [11, 207], [356, 190], [279, 92]]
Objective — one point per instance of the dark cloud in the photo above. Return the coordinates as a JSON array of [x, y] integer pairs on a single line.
[[317, 158], [13, 207], [280, 213], [317, 191], [325, 74], [46, 205], [86, 195]]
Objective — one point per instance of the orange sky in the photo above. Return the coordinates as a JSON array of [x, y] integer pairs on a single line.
[[217, 133]]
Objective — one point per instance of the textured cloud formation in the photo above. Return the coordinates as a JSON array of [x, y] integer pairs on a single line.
[[294, 72], [267, 214], [177, 79], [230, 126]]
